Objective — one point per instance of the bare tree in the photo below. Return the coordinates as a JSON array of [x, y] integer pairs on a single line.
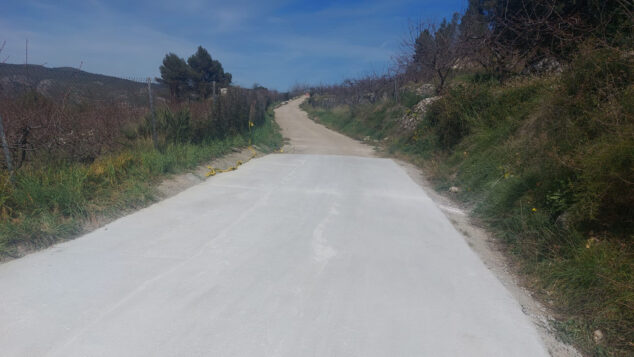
[[506, 36], [1, 49], [436, 49]]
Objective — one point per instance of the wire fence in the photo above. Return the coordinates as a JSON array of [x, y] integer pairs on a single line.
[[69, 114], [53, 82], [65, 113]]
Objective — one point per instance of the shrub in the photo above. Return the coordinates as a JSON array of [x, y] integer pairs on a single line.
[[451, 122], [591, 130], [177, 126]]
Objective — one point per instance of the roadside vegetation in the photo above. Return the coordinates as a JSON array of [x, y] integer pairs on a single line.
[[79, 162], [539, 143]]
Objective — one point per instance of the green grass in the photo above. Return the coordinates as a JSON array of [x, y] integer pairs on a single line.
[[268, 136], [373, 121], [51, 202], [548, 165]]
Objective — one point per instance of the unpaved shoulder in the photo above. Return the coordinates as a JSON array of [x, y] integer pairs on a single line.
[[180, 182], [491, 254]]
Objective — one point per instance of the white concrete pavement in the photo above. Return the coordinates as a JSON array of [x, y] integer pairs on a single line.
[[291, 255]]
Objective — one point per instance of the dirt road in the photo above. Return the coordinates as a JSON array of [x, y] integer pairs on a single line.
[[291, 255], [307, 137]]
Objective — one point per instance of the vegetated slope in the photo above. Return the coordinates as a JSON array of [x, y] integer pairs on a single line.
[[79, 85], [548, 163]]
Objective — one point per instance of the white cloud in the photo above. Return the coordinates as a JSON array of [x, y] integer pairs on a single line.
[[126, 50], [254, 40]]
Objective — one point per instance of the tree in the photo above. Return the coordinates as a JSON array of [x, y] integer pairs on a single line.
[[197, 75], [176, 74], [520, 33], [205, 71], [436, 49], [475, 36]]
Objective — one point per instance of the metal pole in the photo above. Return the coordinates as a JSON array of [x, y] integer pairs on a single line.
[[154, 134], [214, 90], [7, 153]]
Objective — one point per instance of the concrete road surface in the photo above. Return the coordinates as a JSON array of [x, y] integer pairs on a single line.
[[291, 255]]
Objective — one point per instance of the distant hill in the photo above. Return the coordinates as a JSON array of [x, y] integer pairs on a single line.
[[78, 85]]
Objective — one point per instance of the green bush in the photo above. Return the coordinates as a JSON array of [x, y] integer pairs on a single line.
[[409, 99], [591, 130], [177, 126]]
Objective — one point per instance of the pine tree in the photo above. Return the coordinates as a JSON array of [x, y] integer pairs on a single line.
[[205, 71], [176, 74]]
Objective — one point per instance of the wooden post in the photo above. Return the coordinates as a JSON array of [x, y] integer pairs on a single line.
[[149, 93], [214, 89], [251, 121], [396, 89], [5, 148]]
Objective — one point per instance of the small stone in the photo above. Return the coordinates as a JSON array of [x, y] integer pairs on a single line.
[[454, 189], [597, 336]]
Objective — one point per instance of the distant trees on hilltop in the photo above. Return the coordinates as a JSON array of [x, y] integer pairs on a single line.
[[194, 77]]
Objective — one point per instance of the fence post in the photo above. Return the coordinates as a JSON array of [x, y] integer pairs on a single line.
[[396, 89], [251, 121], [149, 93], [7, 153], [214, 90]]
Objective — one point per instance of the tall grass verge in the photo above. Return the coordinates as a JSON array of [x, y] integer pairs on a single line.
[[52, 201]]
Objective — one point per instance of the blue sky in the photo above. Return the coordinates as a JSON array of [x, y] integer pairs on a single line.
[[275, 43]]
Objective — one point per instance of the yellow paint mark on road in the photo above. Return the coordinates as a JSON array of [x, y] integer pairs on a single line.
[[213, 171]]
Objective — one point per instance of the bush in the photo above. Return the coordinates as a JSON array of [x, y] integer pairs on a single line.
[[409, 99], [450, 122], [592, 128], [177, 126]]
